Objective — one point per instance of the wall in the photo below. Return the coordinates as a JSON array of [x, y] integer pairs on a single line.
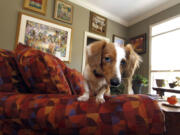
[[143, 27], [9, 16]]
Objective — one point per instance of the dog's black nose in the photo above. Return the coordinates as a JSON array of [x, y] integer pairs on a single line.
[[114, 81]]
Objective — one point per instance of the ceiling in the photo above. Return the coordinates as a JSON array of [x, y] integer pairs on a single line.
[[126, 12]]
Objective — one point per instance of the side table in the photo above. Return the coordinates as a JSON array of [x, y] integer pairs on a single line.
[[172, 119], [161, 91]]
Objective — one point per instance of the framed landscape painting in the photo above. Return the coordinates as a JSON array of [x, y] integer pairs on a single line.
[[44, 35], [63, 11], [98, 24], [139, 43], [36, 5]]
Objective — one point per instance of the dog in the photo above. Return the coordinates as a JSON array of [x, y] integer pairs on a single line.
[[108, 64]]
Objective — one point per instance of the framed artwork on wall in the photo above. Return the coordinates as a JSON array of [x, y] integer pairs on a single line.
[[36, 5], [139, 43], [63, 11], [118, 40], [98, 24], [44, 35]]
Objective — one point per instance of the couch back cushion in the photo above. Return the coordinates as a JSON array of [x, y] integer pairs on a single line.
[[75, 80], [41, 71], [10, 78]]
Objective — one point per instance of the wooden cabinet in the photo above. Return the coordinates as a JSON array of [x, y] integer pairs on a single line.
[[172, 119]]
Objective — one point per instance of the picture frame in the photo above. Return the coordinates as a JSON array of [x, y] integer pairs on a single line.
[[139, 43], [45, 35], [97, 24], [36, 5], [118, 40], [63, 11]]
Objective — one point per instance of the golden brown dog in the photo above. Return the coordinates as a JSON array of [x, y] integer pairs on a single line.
[[105, 66]]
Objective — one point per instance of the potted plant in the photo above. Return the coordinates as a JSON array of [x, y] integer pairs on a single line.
[[178, 81], [160, 82], [175, 83], [138, 82]]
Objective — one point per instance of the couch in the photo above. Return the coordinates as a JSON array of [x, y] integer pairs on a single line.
[[38, 96]]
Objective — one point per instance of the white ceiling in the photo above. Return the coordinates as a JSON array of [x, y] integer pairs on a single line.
[[126, 12]]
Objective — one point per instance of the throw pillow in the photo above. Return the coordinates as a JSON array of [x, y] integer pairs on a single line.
[[41, 71], [10, 78]]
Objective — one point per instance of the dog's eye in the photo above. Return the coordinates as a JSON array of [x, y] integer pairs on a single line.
[[107, 59], [123, 62]]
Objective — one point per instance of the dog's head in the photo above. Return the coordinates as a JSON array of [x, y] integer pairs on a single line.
[[111, 61]]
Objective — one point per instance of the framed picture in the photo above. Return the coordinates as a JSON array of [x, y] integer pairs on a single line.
[[139, 43], [98, 24], [44, 35], [118, 40], [63, 11], [36, 5]]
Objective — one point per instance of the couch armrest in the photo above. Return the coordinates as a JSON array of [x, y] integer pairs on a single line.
[[128, 114]]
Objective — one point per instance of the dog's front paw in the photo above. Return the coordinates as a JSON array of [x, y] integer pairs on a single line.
[[108, 94], [83, 98], [100, 100]]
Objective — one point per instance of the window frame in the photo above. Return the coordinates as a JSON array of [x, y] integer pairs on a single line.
[[150, 50]]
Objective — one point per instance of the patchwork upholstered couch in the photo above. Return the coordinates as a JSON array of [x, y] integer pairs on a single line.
[[38, 96]]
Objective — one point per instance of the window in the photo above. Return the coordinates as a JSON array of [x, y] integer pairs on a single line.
[[165, 53]]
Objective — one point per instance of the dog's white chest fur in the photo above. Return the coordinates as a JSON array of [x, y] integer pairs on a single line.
[[94, 83], [101, 83]]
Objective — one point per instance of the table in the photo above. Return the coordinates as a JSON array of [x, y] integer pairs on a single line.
[[161, 91], [172, 119]]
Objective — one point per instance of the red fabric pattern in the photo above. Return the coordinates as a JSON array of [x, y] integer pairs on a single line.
[[41, 71], [74, 78], [76, 81], [54, 114], [10, 79]]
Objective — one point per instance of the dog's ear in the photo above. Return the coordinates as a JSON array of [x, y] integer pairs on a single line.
[[133, 61], [94, 55]]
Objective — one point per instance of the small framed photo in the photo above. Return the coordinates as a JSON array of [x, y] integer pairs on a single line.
[[98, 24], [63, 11], [118, 40], [139, 43], [36, 5], [47, 36]]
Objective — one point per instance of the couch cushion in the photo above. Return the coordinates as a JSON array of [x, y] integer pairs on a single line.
[[64, 115], [75, 80], [10, 78], [41, 71]]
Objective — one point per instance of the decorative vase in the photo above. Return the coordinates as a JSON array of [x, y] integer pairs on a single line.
[[137, 88], [160, 82]]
